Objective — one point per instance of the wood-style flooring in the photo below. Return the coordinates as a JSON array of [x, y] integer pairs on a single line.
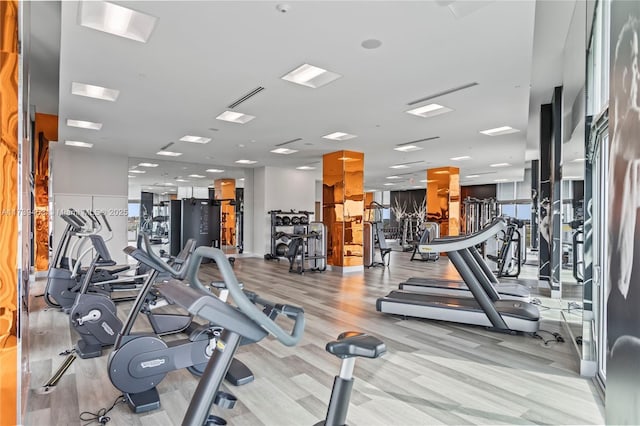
[[433, 373]]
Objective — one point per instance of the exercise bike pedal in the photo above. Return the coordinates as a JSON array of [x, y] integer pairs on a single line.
[[225, 400]]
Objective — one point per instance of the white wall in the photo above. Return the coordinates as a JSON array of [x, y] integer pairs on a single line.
[[82, 179], [276, 189]]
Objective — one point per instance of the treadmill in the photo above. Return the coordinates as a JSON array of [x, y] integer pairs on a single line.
[[486, 308], [458, 288]]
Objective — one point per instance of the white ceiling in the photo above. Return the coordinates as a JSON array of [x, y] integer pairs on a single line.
[[202, 56]]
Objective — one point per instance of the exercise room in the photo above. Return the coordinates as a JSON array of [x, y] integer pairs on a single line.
[[323, 213]]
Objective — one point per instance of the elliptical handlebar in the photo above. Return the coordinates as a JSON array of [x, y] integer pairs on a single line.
[[244, 304], [105, 221]]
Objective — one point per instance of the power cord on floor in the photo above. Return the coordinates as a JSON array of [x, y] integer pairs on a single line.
[[557, 337], [101, 416]]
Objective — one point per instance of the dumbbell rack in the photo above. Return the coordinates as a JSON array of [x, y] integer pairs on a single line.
[[278, 228]]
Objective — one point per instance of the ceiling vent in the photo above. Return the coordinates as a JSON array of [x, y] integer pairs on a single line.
[[247, 96], [288, 142], [419, 140], [444, 92]]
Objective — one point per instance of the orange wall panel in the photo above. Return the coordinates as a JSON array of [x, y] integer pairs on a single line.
[[8, 211]]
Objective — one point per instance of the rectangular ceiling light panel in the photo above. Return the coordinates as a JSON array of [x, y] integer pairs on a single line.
[[117, 20], [504, 130], [246, 162], [169, 153], [96, 92], [339, 136], [147, 165], [284, 151], [408, 148], [305, 168], [195, 139], [430, 110], [235, 117], [84, 124], [215, 170], [311, 76], [79, 144]]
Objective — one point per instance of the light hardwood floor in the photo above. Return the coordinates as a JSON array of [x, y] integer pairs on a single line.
[[433, 373]]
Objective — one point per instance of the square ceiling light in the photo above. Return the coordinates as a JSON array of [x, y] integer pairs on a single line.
[[84, 124], [117, 20], [195, 139], [311, 76], [407, 148], [430, 110], [504, 130], [246, 162], [284, 151], [235, 117], [215, 170], [339, 136], [169, 153], [79, 144], [306, 168], [96, 92], [147, 165]]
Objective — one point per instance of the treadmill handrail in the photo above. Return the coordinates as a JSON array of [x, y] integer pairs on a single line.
[[446, 245]]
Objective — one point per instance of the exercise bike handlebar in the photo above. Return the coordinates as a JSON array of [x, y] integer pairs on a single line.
[[244, 304], [177, 274]]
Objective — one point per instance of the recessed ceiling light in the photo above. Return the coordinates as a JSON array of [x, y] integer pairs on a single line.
[[283, 151], [371, 43], [235, 117], [215, 170], [394, 177], [96, 92], [147, 165], [117, 20], [399, 166], [84, 124], [196, 176], [169, 153], [339, 136], [407, 148], [79, 144], [504, 130], [305, 168], [578, 160], [311, 76], [472, 176], [137, 171], [429, 110], [182, 180], [501, 180], [462, 158], [131, 177], [246, 162], [499, 165], [195, 139], [389, 184], [242, 179]]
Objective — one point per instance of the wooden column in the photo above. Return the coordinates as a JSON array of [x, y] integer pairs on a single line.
[[443, 199], [9, 57], [225, 190], [46, 131], [343, 208]]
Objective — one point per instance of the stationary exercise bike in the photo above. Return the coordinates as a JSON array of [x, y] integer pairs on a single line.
[[140, 361], [247, 321]]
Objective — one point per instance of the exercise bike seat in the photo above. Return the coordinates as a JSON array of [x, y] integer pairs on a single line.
[[352, 344]]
